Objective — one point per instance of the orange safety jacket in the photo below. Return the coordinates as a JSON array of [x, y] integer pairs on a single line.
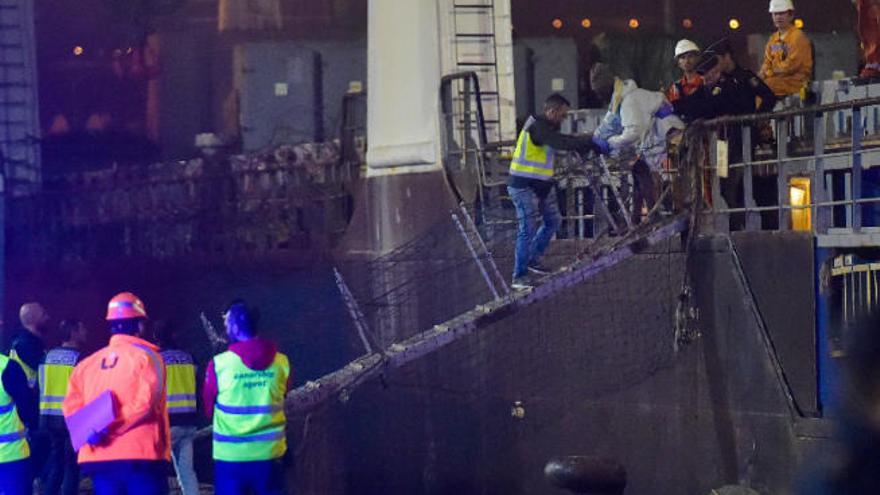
[[683, 87], [134, 371], [788, 62]]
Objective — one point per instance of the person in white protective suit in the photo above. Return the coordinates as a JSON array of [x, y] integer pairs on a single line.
[[635, 130]]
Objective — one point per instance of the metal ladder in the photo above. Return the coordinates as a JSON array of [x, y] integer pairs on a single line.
[[482, 42], [19, 118]]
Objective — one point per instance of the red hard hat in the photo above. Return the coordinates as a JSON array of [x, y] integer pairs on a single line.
[[125, 305]]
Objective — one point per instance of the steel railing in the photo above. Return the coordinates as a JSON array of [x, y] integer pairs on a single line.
[[809, 144]]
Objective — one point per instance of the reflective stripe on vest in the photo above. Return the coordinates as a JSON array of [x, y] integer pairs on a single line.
[[180, 376], [530, 160], [29, 372], [158, 366], [54, 376], [13, 435], [249, 415]]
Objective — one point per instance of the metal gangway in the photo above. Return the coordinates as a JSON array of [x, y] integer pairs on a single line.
[[819, 160]]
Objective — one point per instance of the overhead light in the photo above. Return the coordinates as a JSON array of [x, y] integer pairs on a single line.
[[557, 23], [687, 23], [586, 23], [734, 24], [78, 50], [633, 23], [799, 23]]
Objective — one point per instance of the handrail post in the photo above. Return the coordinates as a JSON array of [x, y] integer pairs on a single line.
[[781, 175], [821, 214], [721, 220], [856, 168], [753, 218]]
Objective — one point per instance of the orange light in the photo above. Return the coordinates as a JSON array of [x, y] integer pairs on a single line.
[[78, 50], [557, 23], [734, 24], [586, 23], [687, 23], [799, 23], [633, 23]]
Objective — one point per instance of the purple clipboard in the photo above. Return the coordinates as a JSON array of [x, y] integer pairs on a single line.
[[95, 416]]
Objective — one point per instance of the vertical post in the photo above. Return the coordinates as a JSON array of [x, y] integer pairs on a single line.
[[354, 310], [781, 175], [753, 218], [669, 17], [856, 169], [489, 258], [470, 246], [821, 215], [581, 212], [721, 220]]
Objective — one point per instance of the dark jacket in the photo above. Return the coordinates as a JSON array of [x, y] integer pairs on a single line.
[[30, 348], [32, 351], [734, 94], [545, 133]]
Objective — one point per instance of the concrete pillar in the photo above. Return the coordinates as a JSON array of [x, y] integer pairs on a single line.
[[403, 77], [405, 190]]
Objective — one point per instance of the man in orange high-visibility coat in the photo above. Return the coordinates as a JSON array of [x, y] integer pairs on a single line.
[[133, 455], [788, 56]]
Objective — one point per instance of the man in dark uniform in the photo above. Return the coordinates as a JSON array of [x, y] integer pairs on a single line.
[[730, 90]]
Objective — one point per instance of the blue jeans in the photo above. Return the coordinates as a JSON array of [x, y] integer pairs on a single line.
[[182, 456], [531, 242], [252, 477], [15, 478], [61, 474], [124, 481]]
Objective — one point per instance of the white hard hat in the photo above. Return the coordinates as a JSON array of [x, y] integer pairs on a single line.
[[780, 6], [685, 46]]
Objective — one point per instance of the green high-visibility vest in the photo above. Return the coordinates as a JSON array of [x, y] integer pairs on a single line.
[[529, 159], [180, 380], [249, 415], [13, 435], [54, 376]]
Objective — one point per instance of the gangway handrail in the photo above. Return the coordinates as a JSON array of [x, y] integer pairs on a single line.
[[475, 79], [814, 109], [804, 147]]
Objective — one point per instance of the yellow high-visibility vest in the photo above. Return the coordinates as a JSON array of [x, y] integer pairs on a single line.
[[29, 372], [530, 160], [180, 380], [249, 415], [13, 435], [54, 375]]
